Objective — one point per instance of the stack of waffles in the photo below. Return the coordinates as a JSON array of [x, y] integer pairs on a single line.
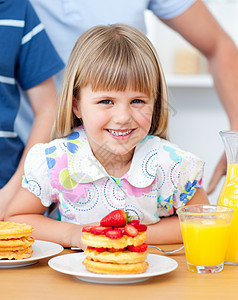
[[15, 240], [116, 246]]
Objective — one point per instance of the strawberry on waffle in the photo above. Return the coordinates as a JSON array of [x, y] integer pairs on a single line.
[[116, 246]]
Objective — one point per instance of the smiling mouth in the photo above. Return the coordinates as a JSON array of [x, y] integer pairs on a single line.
[[119, 132]]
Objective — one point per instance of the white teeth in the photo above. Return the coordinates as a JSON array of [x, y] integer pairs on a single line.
[[119, 133]]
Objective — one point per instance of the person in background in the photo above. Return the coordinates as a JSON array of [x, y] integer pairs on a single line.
[[110, 149], [65, 20], [29, 60]]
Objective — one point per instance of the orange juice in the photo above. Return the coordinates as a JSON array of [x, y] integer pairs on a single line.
[[229, 197], [205, 241]]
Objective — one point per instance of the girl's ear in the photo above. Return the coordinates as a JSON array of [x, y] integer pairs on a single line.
[[76, 108]]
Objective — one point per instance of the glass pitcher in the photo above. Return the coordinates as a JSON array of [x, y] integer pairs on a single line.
[[229, 193]]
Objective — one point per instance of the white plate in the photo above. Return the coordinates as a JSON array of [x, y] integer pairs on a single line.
[[41, 249], [72, 264]]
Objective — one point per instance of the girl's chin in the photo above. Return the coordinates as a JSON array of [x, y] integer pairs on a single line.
[[125, 150], [113, 149], [120, 154]]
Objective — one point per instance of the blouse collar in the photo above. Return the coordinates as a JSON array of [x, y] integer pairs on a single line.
[[84, 167]]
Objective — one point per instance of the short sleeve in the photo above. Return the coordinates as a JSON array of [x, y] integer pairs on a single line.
[[36, 178], [170, 8], [190, 178]]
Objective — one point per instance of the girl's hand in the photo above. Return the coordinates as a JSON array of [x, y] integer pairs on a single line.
[[6, 196], [3, 203], [77, 234]]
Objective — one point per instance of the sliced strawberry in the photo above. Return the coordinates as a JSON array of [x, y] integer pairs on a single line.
[[134, 223], [130, 230], [141, 227], [121, 229], [138, 226], [114, 234], [140, 248], [100, 249], [116, 218], [100, 229], [87, 228]]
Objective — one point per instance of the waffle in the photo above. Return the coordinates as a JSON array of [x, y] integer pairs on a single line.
[[19, 254], [105, 242], [16, 244], [11, 230], [118, 257], [15, 240], [112, 268]]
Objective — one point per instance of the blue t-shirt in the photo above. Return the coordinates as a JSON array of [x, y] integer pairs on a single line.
[[27, 58]]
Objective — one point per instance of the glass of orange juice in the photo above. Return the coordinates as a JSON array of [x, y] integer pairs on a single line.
[[205, 231]]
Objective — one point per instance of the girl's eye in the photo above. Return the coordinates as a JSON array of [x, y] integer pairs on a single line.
[[137, 101], [106, 101]]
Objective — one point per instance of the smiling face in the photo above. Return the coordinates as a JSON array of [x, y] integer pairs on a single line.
[[114, 121]]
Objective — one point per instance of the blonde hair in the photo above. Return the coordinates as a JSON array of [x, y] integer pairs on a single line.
[[111, 58]]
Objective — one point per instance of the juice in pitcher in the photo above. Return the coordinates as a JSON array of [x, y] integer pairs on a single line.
[[229, 197], [229, 193]]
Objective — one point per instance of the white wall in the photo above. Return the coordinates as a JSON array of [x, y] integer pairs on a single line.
[[195, 126], [196, 114]]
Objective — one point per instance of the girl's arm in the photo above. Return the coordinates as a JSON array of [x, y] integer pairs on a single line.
[[167, 230], [27, 208]]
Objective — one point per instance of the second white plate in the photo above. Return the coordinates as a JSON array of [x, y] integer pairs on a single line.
[[71, 264]]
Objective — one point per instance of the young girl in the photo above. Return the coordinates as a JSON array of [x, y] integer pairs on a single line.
[[109, 149]]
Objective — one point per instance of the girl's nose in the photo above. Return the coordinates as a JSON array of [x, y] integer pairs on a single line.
[[122, 114]]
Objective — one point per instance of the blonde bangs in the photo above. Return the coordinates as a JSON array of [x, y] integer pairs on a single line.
[[108, 72]]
